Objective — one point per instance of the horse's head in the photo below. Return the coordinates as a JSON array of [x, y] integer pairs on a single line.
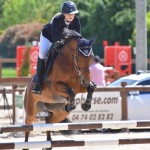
[[83, 59], [82, 54]]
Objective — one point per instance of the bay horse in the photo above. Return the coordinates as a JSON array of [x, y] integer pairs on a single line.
[[69, 75]]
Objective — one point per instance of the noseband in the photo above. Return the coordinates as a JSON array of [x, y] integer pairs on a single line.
[[76, 58]]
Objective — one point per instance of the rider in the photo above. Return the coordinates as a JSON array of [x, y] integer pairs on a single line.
[[51, 33]]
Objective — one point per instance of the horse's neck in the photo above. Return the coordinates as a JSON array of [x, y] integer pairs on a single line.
[[67, 59], [70, 50]]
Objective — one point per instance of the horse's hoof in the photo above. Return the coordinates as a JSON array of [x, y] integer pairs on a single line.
[[85, 106], [69, 108]]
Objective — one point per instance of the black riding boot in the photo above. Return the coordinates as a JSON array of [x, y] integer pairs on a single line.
[[37, 82]]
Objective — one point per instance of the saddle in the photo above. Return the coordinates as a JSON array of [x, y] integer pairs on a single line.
[[54, 50]]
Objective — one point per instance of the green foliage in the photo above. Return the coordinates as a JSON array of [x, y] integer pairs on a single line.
[[109, 19], [1, 7], [133, 35], [115, 20], [25, 11], [148, 28], [1, 31], [25, 68], [8, 72], [148, 32]]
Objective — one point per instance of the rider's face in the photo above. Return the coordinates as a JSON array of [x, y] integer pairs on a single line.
[[69, 17]]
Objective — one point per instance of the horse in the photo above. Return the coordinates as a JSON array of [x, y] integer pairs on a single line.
[[69, 75]]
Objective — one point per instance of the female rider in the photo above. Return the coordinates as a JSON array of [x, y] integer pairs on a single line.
[[51, 33]]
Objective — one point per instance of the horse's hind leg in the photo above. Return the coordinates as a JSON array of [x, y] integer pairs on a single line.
[[26, 138], [31, 110], [47, 120], [27, 133]]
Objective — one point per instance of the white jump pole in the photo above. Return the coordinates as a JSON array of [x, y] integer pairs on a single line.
[[71, 143], [131, 124]]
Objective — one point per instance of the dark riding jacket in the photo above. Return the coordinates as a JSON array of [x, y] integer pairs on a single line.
[[52, 31]]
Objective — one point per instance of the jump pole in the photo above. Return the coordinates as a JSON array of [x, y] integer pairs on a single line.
[[75, 126], [71, 143]]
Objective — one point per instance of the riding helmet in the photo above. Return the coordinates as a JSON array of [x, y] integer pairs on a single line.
[[69, 7]]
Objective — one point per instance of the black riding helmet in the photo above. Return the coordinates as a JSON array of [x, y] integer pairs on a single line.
[[69, 7]]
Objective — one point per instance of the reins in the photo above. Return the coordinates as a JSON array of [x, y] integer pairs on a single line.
[[76, 59], [76, 66]]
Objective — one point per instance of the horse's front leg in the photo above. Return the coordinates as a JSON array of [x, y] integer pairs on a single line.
[[65, 91], [71, 99], [90, 89]]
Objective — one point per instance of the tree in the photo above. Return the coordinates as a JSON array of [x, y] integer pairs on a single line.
[[25, 11], [20, 34], [109, 19], [1, 7], [1, 10]]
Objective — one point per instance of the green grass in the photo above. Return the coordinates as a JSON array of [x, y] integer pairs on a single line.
[[8, 72]]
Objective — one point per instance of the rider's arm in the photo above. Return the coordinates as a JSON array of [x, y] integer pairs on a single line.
[[58, 24], [57, 27], [77, 25]]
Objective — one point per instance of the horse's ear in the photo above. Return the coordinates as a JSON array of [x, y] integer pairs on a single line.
[[93, 40]]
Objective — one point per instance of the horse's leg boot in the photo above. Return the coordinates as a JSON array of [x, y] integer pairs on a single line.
[[37, 85]]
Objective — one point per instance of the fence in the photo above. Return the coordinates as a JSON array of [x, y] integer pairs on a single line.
[[17, 82], [72, 143], [108, 77], [130, 124], [74, 126]]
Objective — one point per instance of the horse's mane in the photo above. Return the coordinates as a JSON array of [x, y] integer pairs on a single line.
[[84, 45], [71, 34]]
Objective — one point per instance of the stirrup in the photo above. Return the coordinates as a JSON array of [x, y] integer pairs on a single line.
[[37, 88]]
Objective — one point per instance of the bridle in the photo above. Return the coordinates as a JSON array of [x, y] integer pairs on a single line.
[[76, 59]]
